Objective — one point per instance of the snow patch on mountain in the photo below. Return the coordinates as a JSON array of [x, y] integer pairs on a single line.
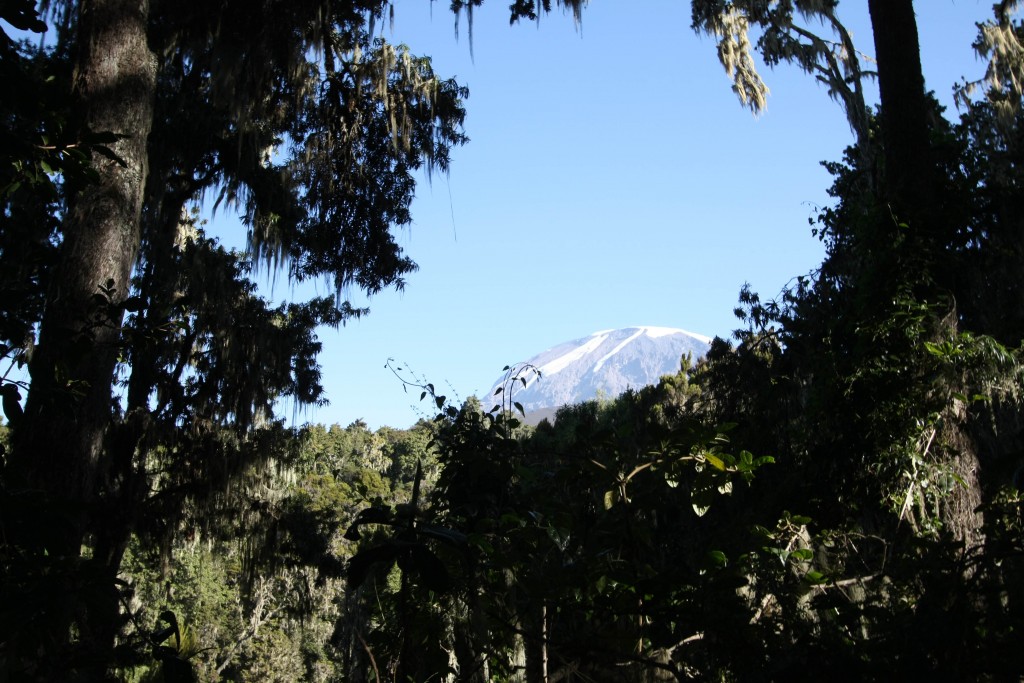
[[605, 363], [665, 331], [564, 361], [622, 345]]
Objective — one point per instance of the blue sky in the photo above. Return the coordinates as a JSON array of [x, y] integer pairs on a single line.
[[612, 179]]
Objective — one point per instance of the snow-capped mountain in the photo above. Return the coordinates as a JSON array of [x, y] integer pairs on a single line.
[[605, 363]]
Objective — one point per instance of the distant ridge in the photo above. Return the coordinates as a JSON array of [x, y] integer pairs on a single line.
[[605, 363]]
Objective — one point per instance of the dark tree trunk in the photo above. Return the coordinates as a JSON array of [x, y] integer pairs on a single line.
[[912, 189], [908, 178], [59, 448]]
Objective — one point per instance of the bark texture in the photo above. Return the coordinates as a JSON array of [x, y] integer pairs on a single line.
[[59, 449]]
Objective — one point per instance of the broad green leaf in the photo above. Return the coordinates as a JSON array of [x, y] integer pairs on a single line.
[[815, 578], [715, 461], [802, 554]]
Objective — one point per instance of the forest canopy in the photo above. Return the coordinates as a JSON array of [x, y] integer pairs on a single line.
[[837, 490]]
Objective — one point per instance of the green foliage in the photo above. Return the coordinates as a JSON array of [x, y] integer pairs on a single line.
[[259, 578], [836, 494], [574, 539], [198, 362]]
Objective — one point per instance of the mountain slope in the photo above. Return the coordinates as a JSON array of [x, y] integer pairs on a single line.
[[605, 363]]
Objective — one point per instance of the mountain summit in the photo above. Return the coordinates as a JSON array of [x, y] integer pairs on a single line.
[[605, 363]]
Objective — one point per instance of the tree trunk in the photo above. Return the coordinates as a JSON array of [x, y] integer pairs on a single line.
[[59, 449], [908, 178], [536, 621], [912, 188]]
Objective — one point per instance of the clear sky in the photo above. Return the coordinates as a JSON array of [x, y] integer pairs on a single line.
[[612, 179]]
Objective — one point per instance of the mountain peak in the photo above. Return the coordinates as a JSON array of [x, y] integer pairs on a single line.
[[607, 363]]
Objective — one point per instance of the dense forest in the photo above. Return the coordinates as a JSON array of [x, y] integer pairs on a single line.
[[835, 493]]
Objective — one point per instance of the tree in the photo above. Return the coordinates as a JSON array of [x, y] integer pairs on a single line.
[[312, 127], [204, 360], [875, 379]]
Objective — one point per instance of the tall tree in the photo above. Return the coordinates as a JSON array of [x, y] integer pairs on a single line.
[[188, 100], [114, 91]]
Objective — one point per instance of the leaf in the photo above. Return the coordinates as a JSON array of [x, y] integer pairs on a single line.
[[160, 635], [780, 553], [609, 499], [802, 554], [498, 391], [133, 304], [11, 398], [703, 492], [445, 535], [519, 407], [481, 543], [718, 558], [431, 570], [512, 520], [715, 462], [815, 578], [374, 515], [360, 563]]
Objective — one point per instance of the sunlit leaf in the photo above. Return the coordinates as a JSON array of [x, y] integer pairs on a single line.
[[815, 578], [715, 461]]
